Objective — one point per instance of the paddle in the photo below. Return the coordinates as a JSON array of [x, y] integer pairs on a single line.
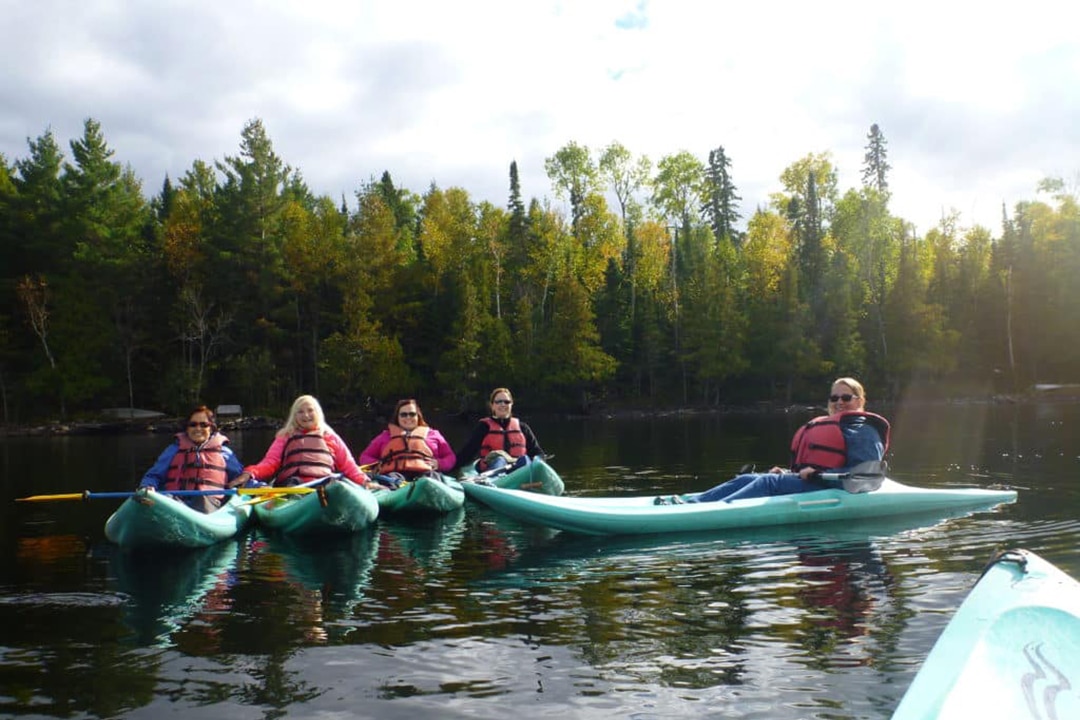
[[309, 485], [864, 477], [88, 495]]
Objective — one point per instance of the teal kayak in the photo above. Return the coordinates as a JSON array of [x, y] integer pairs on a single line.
[[537, 476], [152, 519], [339, 506], [423, 496], [638, 515], [1012, 650]]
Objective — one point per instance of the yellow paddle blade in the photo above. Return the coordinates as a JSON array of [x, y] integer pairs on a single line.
[[275, 491], [90, 495], [48, 498]]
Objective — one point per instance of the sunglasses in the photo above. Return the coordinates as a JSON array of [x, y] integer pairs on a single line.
[[199, 424], [406, 414], [846, 397], [503, 402]]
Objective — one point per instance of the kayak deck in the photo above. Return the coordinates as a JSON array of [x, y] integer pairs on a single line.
[[639, 515], [422, 496], [150, 519], [537, 476], [339, 506], [1013, 645]]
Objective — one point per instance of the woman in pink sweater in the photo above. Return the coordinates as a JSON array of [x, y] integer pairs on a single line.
[[305, 449]]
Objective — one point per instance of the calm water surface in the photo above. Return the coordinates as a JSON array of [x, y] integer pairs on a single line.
[[478, 616]]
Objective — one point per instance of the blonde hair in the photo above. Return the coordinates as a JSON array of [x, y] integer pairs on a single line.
[[853, 384], [292, 426]]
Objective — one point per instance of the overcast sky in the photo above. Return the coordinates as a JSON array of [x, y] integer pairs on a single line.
[[978, 101]]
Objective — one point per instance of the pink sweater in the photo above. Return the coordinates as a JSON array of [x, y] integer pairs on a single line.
[[344, 463], [439, 448]]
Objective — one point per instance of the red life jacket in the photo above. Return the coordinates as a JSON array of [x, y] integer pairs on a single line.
[[406, 452], [197, 467], [509, 439], [820, 443], [306, 456]]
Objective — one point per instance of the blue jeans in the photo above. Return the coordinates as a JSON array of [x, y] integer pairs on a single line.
[[499, 461], [755, 485]]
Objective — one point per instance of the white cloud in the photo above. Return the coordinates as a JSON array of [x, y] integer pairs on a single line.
[[977, 103]]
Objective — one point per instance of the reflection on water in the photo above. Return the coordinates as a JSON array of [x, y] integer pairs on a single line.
[[474, 613], [166, 591]]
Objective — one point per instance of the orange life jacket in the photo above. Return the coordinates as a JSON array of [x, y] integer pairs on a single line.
[[820, 443], [406, 452], [197, 467], [509, 439], [305, 457]]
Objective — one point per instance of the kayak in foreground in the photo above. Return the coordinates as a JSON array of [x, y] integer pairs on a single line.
[[152, 519], [639, 515], [338, 506], [425, 495], [1012, 650], [537, 476]]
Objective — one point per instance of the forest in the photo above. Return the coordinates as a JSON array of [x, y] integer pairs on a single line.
[[641, 287]]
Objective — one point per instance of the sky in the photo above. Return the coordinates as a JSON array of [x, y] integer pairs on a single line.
[[977, 102]]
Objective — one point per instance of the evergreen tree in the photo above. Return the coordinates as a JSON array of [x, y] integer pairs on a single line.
[[721, 199], [875, 162]]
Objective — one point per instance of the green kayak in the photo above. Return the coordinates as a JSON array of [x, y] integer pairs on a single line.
[[537, 476], [152, 519], [639, 515], [1012, 650], [339, 506], [423, 496]]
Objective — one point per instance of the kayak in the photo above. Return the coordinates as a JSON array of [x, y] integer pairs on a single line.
[[639, 515], [537, 476], [152, 519], [425, 495], [338, 506], [1012, 650]]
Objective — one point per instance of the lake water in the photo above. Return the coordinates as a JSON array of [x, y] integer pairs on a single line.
[[479, 616]]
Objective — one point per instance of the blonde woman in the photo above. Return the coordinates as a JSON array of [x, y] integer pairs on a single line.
[[305, 449]]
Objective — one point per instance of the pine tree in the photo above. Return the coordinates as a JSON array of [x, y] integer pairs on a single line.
[[721, 200], [875, 162]]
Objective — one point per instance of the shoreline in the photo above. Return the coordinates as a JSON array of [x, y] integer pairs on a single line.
[[160, 424]]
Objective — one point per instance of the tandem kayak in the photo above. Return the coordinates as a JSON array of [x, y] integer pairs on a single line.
[[425, 495], [1011, 651], [338, 506], [638, 515], [152, 519], [537, 476]]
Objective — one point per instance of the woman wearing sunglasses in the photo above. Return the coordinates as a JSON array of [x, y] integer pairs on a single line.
[[837, 442], [408, 447], [306, 448], [198, 459], [500, 438]]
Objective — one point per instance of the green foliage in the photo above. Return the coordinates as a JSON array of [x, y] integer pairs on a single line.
[[236, 283]]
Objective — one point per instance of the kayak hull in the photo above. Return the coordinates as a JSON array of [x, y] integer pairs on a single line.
[[537, 476], [150, 519], [422, 496], [1013, 646], [338, 507], [638, 515]]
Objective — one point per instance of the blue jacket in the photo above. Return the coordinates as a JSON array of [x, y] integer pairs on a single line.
[[155, 476]]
